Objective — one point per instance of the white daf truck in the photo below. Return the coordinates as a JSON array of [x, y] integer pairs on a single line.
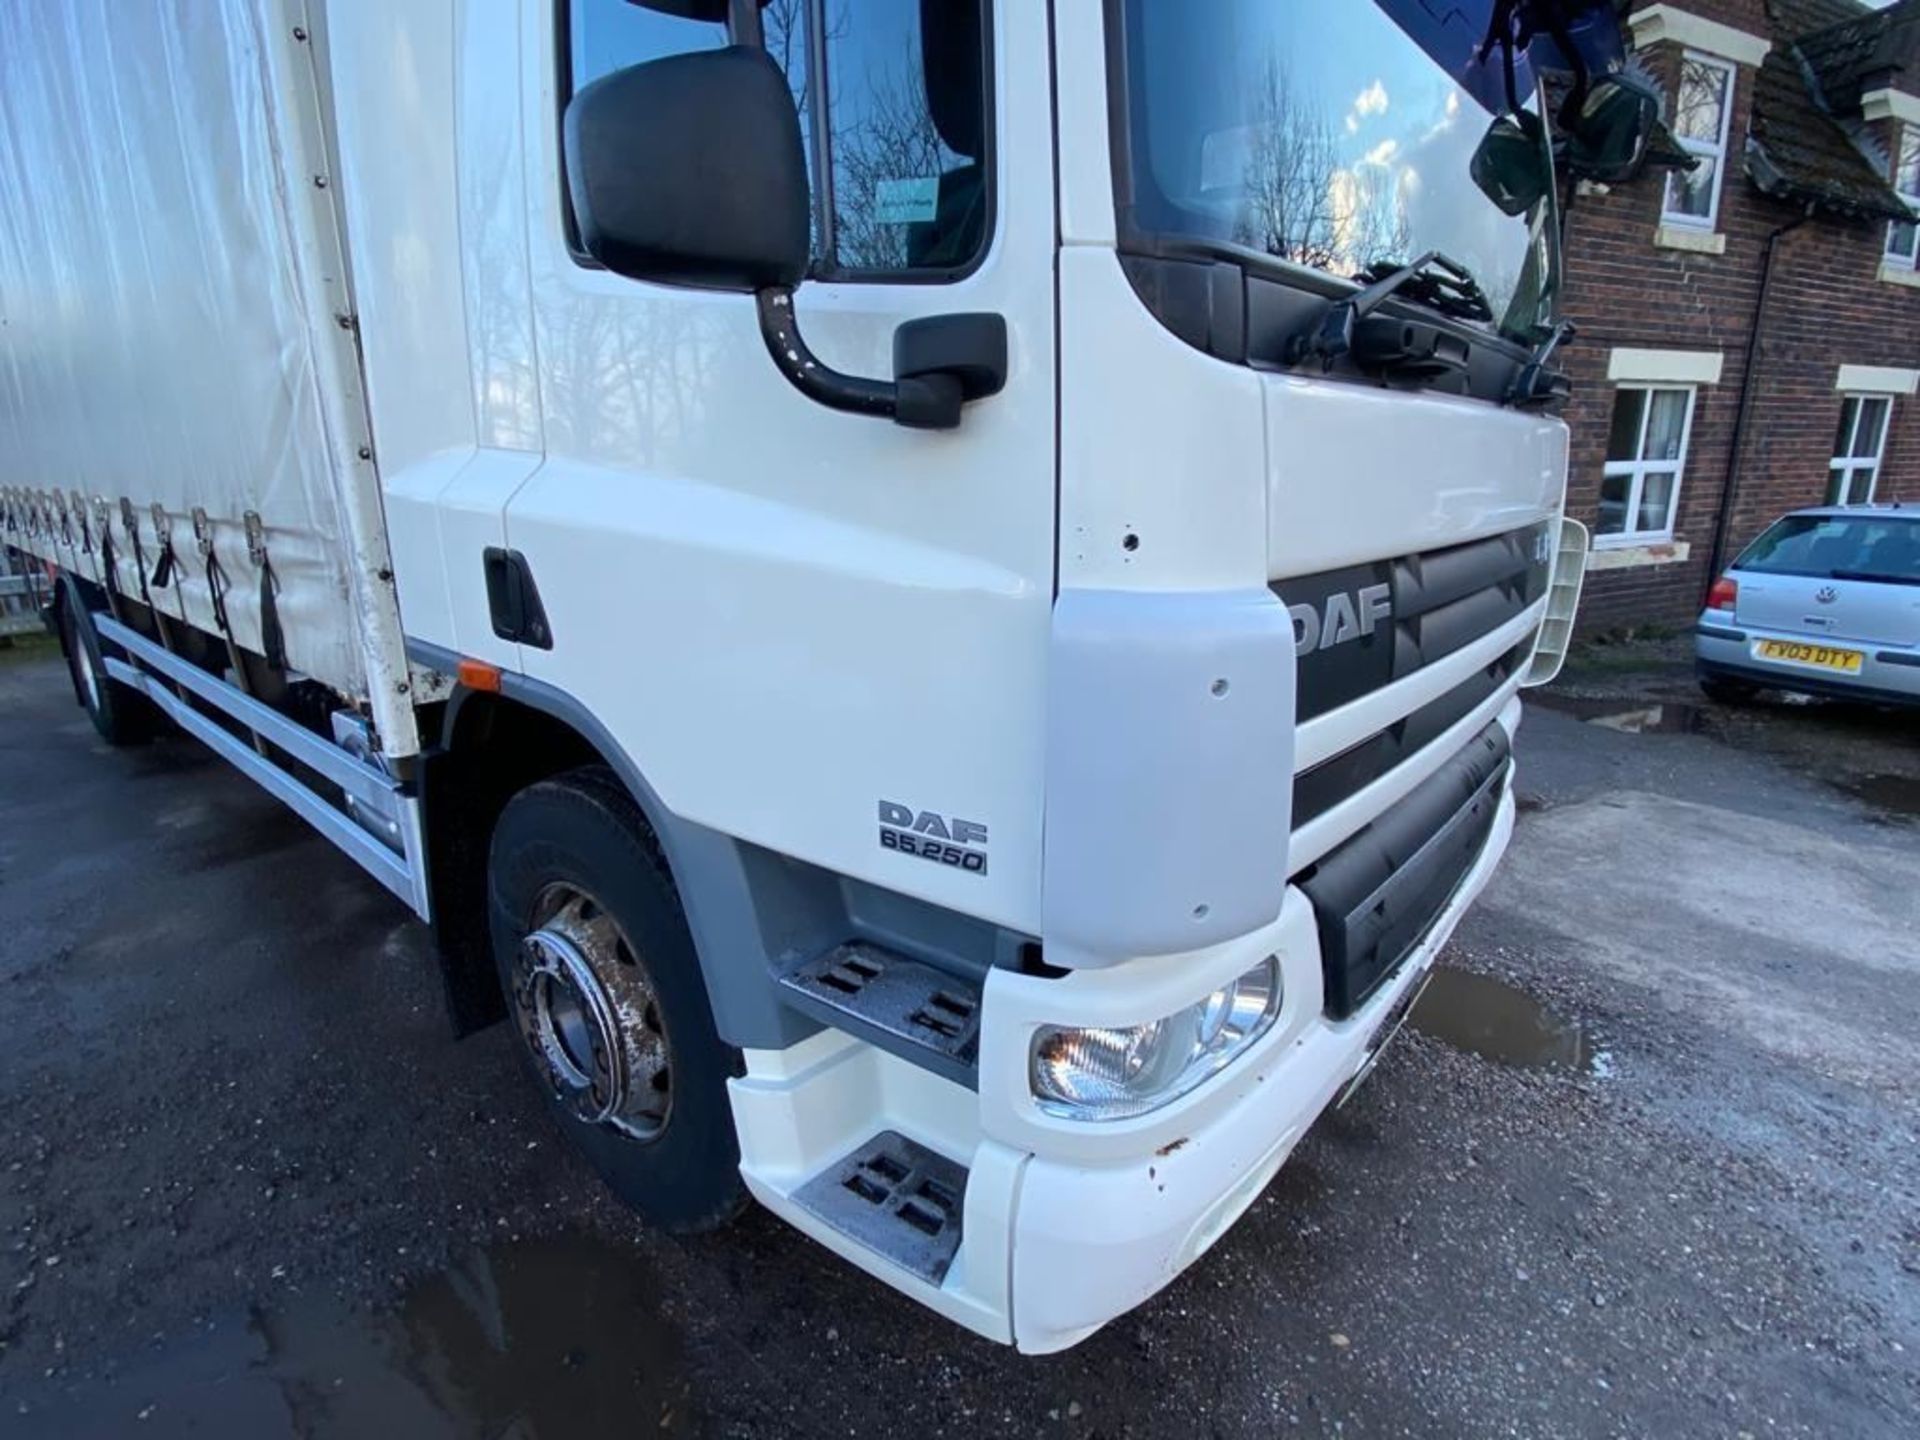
[[928, 594]]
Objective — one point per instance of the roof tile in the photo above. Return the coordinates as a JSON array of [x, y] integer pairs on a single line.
[[1799, 148]]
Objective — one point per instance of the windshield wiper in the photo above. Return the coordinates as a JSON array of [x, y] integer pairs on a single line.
[[1433, 280], [1436, 282]]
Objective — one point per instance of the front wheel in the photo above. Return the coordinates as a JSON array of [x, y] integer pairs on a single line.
[[605, 993]]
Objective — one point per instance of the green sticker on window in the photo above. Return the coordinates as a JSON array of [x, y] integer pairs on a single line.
[[913, 201]]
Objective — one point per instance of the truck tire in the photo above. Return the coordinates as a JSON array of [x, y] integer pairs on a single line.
[[122, 716], [605, 993]]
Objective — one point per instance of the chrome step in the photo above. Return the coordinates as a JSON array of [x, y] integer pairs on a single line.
[[897, 1198], [925, 1015]]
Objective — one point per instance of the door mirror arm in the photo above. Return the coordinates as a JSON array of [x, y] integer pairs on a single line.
[[939, 364]]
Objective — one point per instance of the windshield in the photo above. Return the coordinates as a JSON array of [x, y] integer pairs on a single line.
[[1321, 133], [1880, 548]]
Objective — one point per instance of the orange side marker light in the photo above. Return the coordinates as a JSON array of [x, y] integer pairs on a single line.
[[478, 675]]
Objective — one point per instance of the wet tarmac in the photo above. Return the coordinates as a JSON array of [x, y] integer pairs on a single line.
[[1836, 740], [1629, 717], [1895, 796], [1643, 1162], [547, 1338]]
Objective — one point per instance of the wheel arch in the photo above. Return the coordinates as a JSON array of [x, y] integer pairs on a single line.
[[494, 745]]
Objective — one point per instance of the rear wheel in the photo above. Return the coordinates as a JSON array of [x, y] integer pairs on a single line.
[[605, 993], [122, 715], [1728, 692]]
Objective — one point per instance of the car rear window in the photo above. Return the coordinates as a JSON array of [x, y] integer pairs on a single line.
[[1881, 548]]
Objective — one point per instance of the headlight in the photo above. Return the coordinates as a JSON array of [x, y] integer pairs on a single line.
[[1094, 1074]]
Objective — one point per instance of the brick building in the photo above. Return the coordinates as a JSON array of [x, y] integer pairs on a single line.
[[1749, 332]]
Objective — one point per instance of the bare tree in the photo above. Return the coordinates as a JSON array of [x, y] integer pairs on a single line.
[[885, 134], [784, 24], [1300, 202], [1291, 164], [1375, 230], [788, 27]]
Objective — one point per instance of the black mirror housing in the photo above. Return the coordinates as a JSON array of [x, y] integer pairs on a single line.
[[690, 170], [1511, 167], [1609, 137]]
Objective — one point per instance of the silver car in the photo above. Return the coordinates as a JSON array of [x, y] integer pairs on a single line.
[[1827, 602]]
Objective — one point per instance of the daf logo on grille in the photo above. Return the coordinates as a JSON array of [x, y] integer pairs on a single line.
[[1826, 595], [1346, 616]]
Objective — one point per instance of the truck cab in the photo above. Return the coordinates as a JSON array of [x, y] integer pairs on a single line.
[[957, 579]]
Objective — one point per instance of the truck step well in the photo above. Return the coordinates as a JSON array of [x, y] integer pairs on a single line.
[[926, 1015], [897, 1198]]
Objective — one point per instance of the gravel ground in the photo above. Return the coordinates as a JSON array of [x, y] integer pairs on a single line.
[[1648, 1167]]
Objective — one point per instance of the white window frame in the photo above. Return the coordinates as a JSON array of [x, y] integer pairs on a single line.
[[1636, 470], [1909, 135], [1717, 151], [1849, 465]]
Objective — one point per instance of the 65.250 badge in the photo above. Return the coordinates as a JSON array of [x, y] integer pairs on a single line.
[[933, 836]]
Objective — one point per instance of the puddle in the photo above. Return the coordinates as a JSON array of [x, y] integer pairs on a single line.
[[1667, 718], [552, 1338], [1896, 795], [1496, 1021]]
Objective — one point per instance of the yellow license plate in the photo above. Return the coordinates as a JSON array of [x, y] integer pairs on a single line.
[[1825, 657]]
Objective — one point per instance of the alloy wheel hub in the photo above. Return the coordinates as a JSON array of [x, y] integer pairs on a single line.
[[586, 1010]]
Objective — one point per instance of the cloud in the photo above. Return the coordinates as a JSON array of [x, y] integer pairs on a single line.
[[1368, 104], [1382, 154]]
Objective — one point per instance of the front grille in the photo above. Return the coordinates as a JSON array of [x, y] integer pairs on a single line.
[[1441, 601], [1318, 790]]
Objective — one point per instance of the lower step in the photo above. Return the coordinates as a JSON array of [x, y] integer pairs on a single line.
[[897, 1198]]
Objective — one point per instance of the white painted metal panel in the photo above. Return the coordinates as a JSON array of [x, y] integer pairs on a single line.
[[783, 613], [1080, 78], [1163, 450], [1360, 473]]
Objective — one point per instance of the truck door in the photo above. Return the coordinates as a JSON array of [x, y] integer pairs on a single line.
[[784, 614]]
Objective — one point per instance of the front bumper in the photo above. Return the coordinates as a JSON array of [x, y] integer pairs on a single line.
[[1889, 674], [1093, 1240], [1069, 1225]]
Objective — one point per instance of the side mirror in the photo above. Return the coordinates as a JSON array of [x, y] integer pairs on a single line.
[[690, 170], [1607, 138], [1611, 114], [1511, 166]]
